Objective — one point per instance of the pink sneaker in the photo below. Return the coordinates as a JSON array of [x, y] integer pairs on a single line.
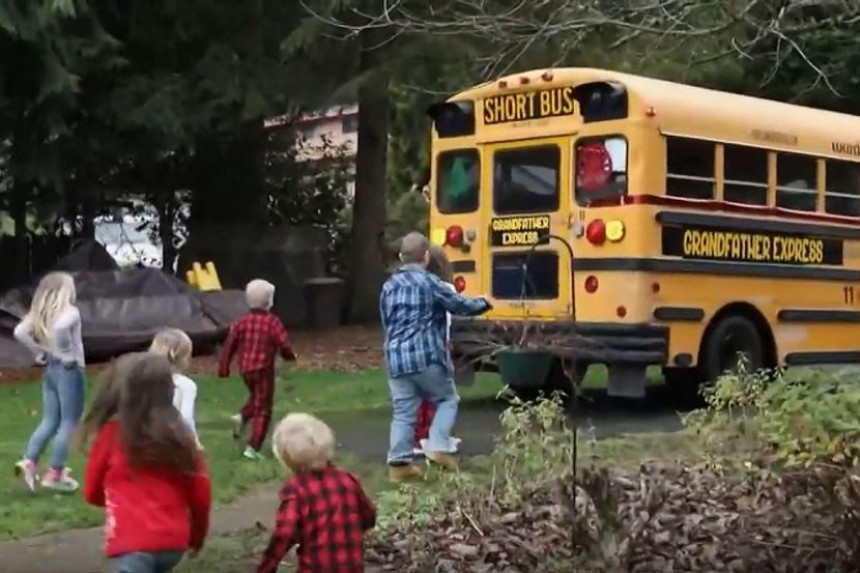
[[60, 480], [27, 470]]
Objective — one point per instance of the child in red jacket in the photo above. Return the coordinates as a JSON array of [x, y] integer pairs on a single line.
[[256, 338], [440, 266], [323, 510], [145, 469]]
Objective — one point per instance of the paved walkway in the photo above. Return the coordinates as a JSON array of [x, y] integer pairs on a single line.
[[80, 550]]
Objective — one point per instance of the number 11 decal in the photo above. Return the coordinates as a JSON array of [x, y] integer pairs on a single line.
[[848, 293]]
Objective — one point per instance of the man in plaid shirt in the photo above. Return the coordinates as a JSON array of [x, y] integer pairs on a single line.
[[323, 509], [413, 306], [257, 338]]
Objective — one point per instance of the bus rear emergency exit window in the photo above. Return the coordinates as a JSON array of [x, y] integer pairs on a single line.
[[453, 119]]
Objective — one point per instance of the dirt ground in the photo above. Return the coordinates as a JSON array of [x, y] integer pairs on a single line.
[[344, 349]]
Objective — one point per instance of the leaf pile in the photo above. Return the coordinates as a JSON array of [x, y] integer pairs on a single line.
[[661, 519], [464, 536]]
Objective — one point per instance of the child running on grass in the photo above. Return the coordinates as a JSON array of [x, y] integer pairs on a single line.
[[51, 330], [256, 338], [144, 468], [324, 510], [440, 266], [175, 345]]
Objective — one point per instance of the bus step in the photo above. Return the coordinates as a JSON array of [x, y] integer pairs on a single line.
[[627, 380]]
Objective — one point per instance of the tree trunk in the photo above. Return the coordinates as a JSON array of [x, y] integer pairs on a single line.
[[368, 224], [18, 210]]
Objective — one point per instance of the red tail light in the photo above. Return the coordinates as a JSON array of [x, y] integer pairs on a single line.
[[454, 236], [595, 232], [593, 166], [591, 284], [460, 284]]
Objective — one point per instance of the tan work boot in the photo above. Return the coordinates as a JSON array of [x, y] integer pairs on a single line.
[[401, 474], [443, 459]]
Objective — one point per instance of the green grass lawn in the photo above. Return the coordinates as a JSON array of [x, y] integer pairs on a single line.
[[24, 514]]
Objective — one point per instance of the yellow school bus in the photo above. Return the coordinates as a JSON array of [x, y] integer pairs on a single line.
[[701, 224]]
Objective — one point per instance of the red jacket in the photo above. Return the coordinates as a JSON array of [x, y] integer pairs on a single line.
[[146, 509]]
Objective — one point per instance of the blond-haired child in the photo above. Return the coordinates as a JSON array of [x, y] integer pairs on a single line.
[[305, 445], [177, 347], [51, 330], [255, 339]]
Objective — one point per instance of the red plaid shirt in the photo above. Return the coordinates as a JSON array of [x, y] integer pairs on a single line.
[[256, 337], [326, 514]]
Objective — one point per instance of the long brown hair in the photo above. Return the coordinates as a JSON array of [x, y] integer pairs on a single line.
[[440, 264], [138, 389]]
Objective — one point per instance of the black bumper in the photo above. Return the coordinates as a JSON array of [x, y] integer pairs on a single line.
[[588, 342]]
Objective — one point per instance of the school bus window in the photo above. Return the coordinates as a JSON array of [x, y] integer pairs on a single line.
[[842, 195], [690, 168], [540, 280], [745, 172], [458, 175], [601, 169], [525, 180], [796, 177]]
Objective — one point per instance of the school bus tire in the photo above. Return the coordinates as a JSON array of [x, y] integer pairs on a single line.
[[724, 339]]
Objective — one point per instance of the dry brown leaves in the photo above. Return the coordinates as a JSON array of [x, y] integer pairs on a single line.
[[663, 519], [345, 349]]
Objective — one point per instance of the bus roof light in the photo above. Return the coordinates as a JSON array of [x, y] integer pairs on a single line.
[[547, 76], [595, 232], [503, 84], [650, 111], [524, 80]]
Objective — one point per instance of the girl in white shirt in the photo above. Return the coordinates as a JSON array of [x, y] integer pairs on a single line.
[[52, 332], [177, 347]]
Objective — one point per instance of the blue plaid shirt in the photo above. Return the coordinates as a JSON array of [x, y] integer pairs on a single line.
[[413, 305]]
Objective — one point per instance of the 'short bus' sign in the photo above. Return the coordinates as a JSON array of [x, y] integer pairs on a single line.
[[750, 247], [519, 231], [508, 108]]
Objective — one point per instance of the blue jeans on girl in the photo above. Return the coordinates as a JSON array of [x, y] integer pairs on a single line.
[[147, 562], [62, 406]]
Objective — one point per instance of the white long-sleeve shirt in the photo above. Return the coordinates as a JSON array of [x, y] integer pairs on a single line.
[[185, 399], [64, 338]]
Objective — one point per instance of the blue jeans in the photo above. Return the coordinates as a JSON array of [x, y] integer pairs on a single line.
[[147, 562], [62, 406], [434, 385]]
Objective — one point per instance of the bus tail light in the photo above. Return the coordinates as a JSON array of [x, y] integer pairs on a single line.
[[595, 232], [621, 311], [591, 284], [454, 236], [460, 284], [615, 230]]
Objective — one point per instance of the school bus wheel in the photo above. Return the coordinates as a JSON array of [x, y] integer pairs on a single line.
[[557, 379], [725, 341]]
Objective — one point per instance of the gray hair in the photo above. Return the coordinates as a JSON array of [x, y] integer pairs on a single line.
[[414, 248]]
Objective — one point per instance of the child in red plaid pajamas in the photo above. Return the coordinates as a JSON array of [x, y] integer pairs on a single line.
[[323, 510], [256, 338], [440, 266]]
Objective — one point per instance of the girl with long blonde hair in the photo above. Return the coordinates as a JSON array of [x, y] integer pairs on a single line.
[[177, 347], [51, 330]]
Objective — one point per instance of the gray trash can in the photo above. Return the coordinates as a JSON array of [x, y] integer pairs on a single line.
[[323, 302]]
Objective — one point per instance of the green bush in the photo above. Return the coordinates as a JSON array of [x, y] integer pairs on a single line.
[[781, 420]]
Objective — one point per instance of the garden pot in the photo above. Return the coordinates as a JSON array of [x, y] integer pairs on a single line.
[[524, 368]]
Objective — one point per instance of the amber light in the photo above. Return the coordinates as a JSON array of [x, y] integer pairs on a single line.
[[503, 84], [524, 80], [591, 284], [650, 111], [454, 236], [460, 284], [546, 76], [655, 288], [595, 232]]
